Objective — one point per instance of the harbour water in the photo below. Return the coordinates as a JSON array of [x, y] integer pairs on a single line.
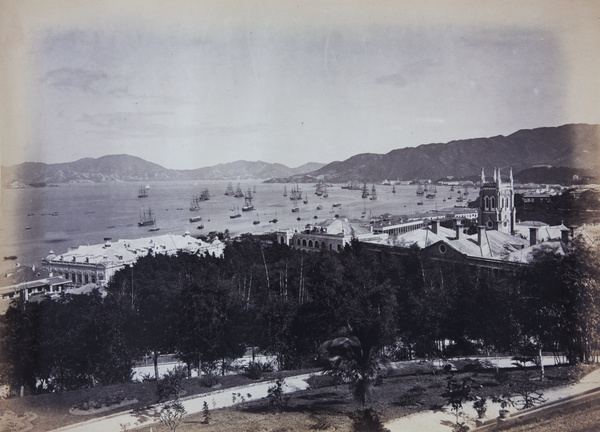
[[37, 220]]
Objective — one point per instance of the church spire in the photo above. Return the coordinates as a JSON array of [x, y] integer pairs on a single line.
[[511, 178], [482, 177]]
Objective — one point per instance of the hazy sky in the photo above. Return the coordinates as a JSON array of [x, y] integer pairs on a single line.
[[194, 84]]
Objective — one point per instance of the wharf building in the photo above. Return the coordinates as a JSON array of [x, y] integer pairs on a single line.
[[96, 264]]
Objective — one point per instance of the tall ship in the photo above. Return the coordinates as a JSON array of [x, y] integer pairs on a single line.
[[365, 191], [420, 189], [229, 191], [296, 193], [147, 218], [238, 192], [373, 193], [393, 188], [324, 189], [248, 202], [204, 195], [195, 204], [352, 185], [143, 191], [284, 191]]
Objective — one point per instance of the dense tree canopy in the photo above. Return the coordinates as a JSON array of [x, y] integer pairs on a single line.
[[290, 303]]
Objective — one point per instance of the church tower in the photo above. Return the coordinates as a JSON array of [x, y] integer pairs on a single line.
[[497, 203]]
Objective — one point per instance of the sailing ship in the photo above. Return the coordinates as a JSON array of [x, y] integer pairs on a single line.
[[284, 191], [305, 199], [274, 220], [143, 191], [235, 213], [248, 202], [296, 193], [373, 193], [295, 209], [238, 192], [466, 192], [420, 189], [365, 191], [352, 185], [154, 227], [324, 189], [393, 188], [146, 218], [256, 221], [195, 205], [421, 200], [204, 195], [195, 219], [229, 191], [460, 198], [319, 189]]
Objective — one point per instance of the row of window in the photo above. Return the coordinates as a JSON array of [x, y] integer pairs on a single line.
[[316, 244], [489, 202], [78, 278]]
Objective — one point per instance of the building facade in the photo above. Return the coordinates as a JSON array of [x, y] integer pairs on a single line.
[[497, 203]]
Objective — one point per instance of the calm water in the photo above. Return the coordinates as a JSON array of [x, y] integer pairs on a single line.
[[87, 213]]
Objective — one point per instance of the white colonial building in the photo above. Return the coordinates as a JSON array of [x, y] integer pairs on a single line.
[[96, 264]]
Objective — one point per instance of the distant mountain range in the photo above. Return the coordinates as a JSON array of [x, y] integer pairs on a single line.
[[574, 146], [131, 168]]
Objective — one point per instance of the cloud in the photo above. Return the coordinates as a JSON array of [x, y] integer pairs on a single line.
[[82, 79], [409, 73]]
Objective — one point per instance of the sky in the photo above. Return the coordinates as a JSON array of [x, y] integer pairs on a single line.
[[189, 84]]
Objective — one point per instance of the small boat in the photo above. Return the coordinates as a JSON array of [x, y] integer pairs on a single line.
[[256, 221], [235, 213], [195, 219], [337, 204], [298, 218], [10, 257], [107, 238], [284, 191], [393, 188], [201, 226], [315, 217], [305, 199], [319, 207], [295, 210]]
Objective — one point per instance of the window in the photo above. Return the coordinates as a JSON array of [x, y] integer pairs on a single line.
[[304, 242], [486, 200], [316, 244], [493, 202], [310, 243], [443, 248]]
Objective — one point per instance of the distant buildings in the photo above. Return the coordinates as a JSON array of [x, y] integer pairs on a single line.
[[96, 264]]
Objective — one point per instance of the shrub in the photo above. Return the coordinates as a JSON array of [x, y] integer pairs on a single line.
[[209, 380], [170, 386], [255, 370], [275, 395], [172, 414], [320, 381]]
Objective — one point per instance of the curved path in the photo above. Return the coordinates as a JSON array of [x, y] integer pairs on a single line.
[[442, 421], [192, 404]]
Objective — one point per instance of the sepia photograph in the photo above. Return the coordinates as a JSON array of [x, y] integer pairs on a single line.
[[282, 216]]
